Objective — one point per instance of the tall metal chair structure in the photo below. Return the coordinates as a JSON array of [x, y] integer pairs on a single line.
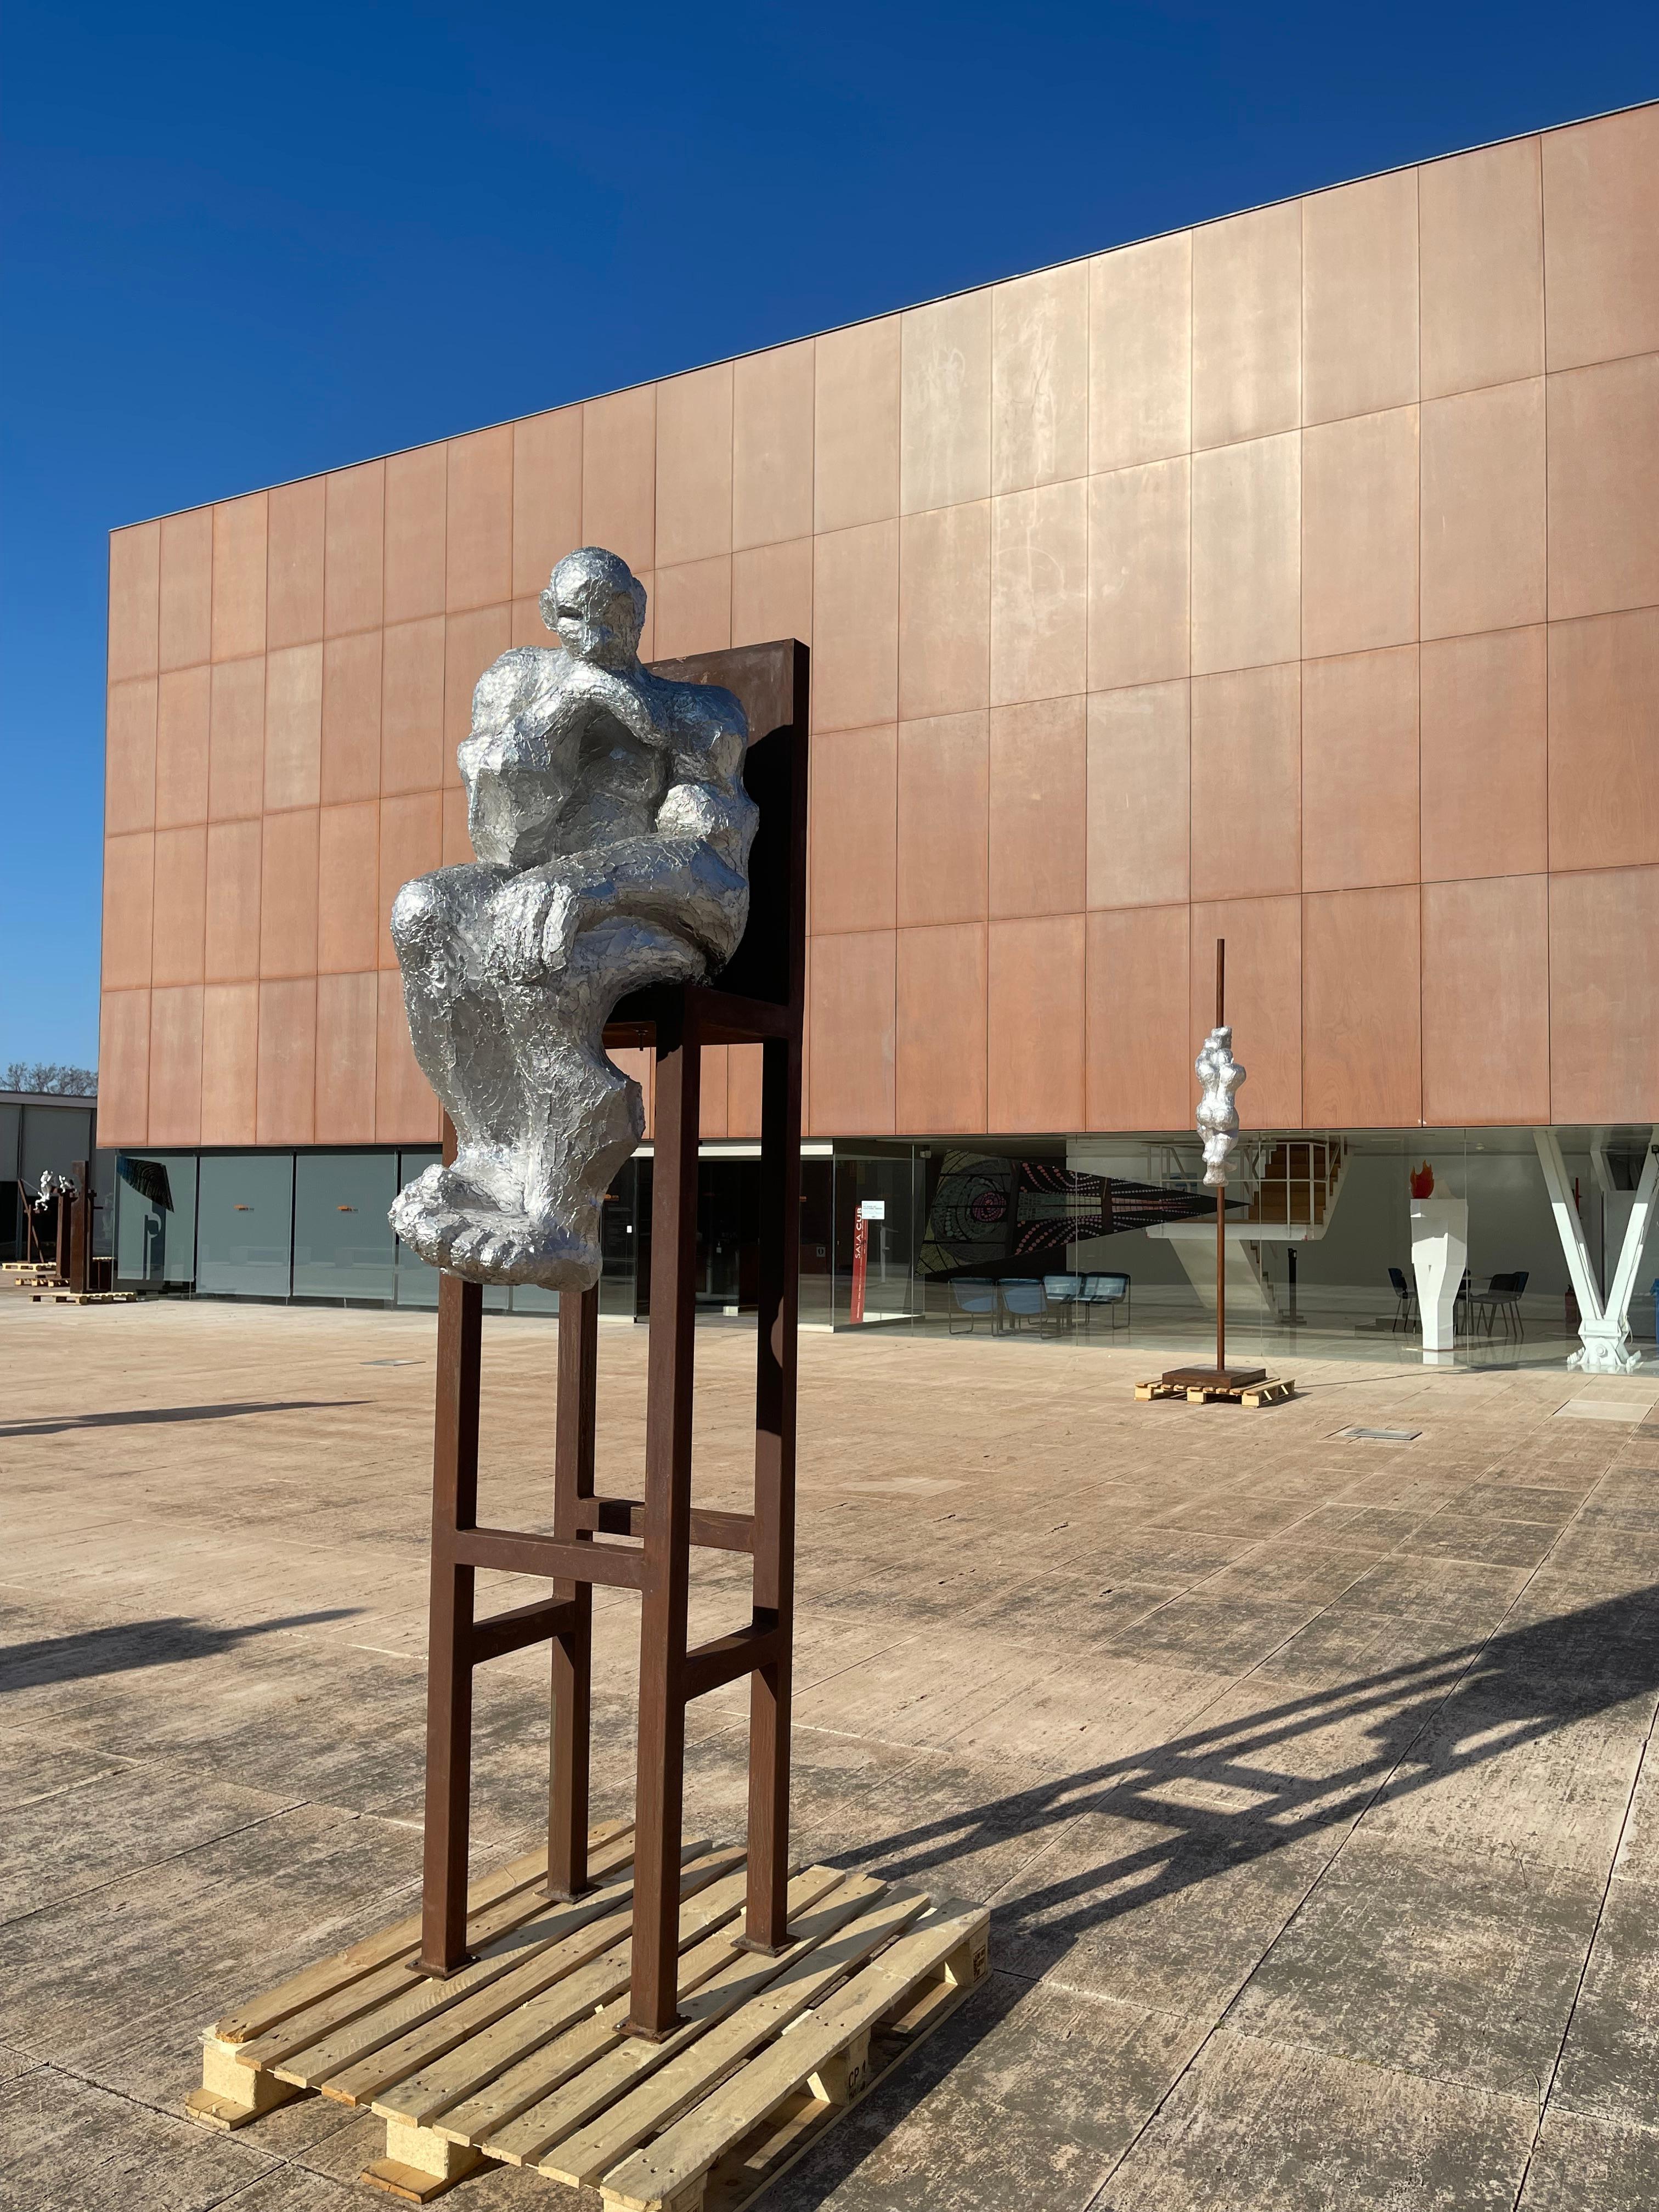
[[757, 1000]]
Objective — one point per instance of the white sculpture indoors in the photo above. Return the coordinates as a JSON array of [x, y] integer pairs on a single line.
[[608, 813]]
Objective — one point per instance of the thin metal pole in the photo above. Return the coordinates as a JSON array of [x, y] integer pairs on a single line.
[[1221, 1193], [572, 1651]]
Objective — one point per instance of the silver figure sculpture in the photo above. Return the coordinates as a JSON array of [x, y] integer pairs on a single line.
[[608, 813], [1220, 1075]]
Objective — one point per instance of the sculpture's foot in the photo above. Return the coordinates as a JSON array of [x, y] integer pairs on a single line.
[[453, 1223]]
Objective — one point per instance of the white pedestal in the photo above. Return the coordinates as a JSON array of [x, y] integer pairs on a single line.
[[1440, 1252]]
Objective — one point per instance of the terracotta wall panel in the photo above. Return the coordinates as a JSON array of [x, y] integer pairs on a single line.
[[416, 503], [1485, 723], [945, 593], [287, 1103], [1040, 379], [1141, 353], [944, 776], [852, 823], [1481, 239], [1485, 1001], [135, 568], [712, 1091], [1034, 1049], [1139, 800], [1247, 555], [693, 607], [348, 918], [944, 430], [1039, 592], [123, 1068], [744, 1064], [1247, 325], [1604, 741], [479, 519], [406, 1110], [182, 709], [412, 707], [1361, 986], [1604, 488], [1139, 1071], [772, 593], [293, 727], [1601, 238], [1264, 1000], [772, 404], [129, 907], [619, 475], [1604, 978], [1139, 629], [411, 844], [1483, 510], [851, 1017], [294, 579], [547, 497], [1359, 339], [354, 550], [1039, 808], [856, 406], [471, 642], [348, 1020], [457, 840], [351, 717], [181, 907], [855, 588], [238, 577], [236, 740], [175, 1066], [130, 756], [232, 928], [1359, 533], [186, 624], [694, 466], [1247, 777], [230, 1064], [1359, 788], [288, 895], [940, 1078]]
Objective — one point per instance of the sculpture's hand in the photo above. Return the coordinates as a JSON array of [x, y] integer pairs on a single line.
[[519, 912], [561, 919]]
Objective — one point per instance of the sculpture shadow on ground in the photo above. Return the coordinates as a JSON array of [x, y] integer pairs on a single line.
[[140, 1416], [1236, 1790], [129, 1644]]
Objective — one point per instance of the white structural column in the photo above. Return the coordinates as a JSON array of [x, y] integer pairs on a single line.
[[1604, 1331], [1440, 1252]]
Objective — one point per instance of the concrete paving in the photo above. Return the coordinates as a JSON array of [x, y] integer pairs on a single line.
[[1308, 1778]]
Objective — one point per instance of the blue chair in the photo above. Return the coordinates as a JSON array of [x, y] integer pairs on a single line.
[[972, 1296], [1110, 1291], [1022, 1299], [1063, 1294]]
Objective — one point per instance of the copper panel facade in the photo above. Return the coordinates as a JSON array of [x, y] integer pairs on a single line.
[[1144, 607]]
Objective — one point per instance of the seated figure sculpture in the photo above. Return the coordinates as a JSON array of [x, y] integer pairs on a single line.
[[608, 813]]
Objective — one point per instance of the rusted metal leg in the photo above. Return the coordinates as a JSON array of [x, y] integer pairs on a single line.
[[573, 1652], [652, 2005], [766, 1926], [449, 1652]]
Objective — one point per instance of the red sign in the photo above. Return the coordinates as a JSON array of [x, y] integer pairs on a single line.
[[861, 1262]]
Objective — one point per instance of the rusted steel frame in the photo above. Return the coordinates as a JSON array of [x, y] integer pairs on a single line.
[[773, 1580], [658, 1812], [78, 1274], [512, 1552], [449, 1643], [712, 1666], [571, 1684], [504, 1632], [625, 1517]]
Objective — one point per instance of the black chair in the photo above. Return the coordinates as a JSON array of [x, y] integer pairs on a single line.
[[1405, 1293], [1501, 1297]]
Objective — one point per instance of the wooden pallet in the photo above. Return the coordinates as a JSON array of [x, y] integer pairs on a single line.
[[57, 1296], [1271, 1393], [523, 2058]]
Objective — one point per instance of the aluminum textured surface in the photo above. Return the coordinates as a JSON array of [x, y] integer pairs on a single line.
[[1220, 1075], [607, 810]]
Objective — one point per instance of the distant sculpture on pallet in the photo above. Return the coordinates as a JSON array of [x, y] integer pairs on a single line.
[[607, 810]]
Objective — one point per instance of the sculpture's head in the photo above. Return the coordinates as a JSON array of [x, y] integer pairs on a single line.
[[597, 606]]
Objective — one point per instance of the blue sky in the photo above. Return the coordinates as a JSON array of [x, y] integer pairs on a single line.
[[244, 244]]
